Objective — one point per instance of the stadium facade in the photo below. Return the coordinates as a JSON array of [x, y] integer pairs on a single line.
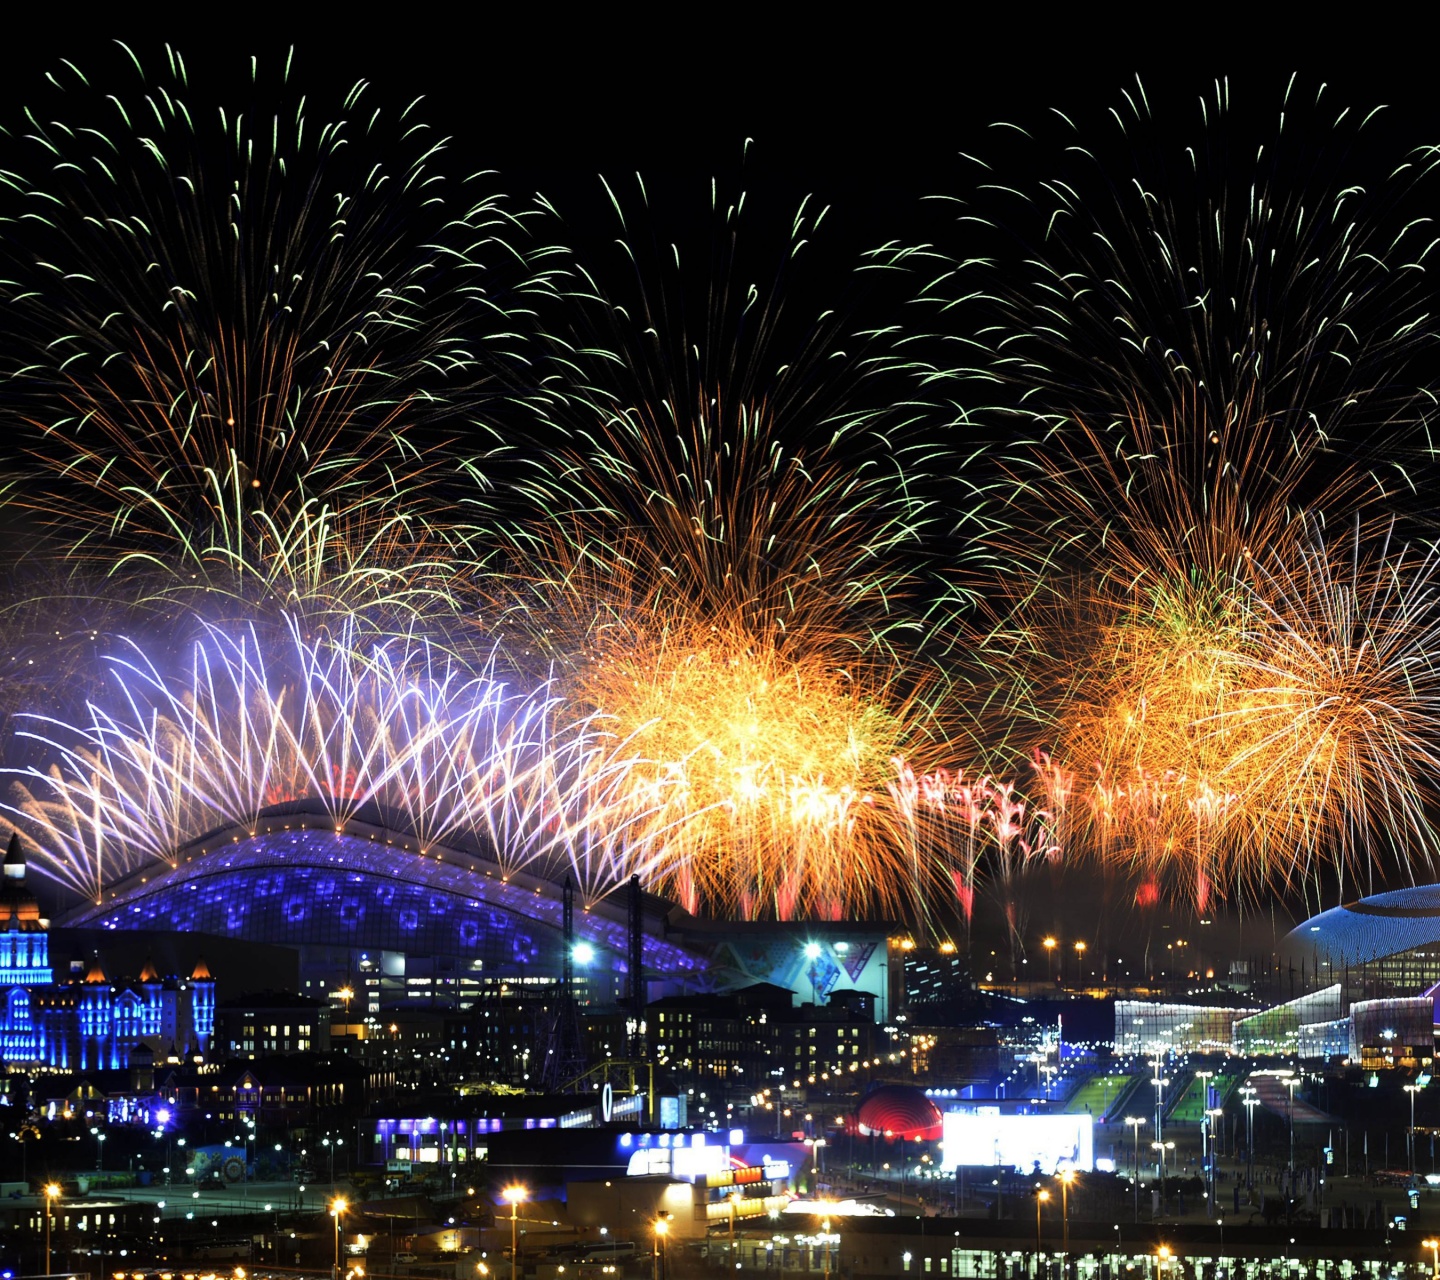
[[1374, 969], [368, 913]]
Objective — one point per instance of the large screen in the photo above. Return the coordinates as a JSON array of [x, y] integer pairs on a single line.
[[988, 1138]]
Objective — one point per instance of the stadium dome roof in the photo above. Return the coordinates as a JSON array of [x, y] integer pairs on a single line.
[[298, 881], [899, 1111], [1356, 932]]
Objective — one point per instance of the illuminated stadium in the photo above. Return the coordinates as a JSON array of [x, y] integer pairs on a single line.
[[1369, 975], [1388, 944], [298, 880], [354, 896]]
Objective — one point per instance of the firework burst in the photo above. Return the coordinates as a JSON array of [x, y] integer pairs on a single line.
[[390, 731], [1209, 358], [237, 336]]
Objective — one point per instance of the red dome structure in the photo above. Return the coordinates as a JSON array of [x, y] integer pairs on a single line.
[[897, 1111]]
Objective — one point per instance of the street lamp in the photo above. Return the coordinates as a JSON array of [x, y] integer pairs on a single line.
[[1049, 945], [52, 1193], [337, 1209], [1080, 964], [1249, 1097], [1290, 1083], [1434, 1246], [1041, 1196], [1136, 1123], [662, 1229], [1162, 1256], [515, 1194], [1067, 1176], [1159, 1082], [1161, 1148], [1412, 1090], [1210, 1115]]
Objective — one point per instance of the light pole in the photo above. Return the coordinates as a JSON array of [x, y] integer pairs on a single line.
[[515, 1194], [1080, 965], [1162, 1256], [1159, 1082], [1434, 1246], [662, 1229], [1136, 1123], [1160, 1149], [1412, 1090], [337, 1208], [1041, 1196], [1210, 1174], [1049, 945], [1290, 1083], [52, 1193], [1067, 1176], [1250, 1099]]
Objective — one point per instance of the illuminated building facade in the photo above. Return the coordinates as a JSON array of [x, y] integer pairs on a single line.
[[1277, 1030], [1143, 1027], [372, 917], [88, 1023], [1377, 947]]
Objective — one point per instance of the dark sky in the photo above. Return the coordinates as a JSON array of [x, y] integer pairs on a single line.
[[866, 113]]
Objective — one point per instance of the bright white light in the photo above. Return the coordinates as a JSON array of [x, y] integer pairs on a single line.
[[584, 953]]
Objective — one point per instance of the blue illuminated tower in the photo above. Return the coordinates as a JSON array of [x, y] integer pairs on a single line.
[[202, 1006], [24, 963], [25, 942]]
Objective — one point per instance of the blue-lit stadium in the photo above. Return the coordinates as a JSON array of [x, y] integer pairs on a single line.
[[362, 899], [298, 881]]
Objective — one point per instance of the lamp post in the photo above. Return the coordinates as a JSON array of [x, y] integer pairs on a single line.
[[1041, 1196], [1159, 1082], [1214, 1154], [1136, 1123], [1160, 1149], [1067, 1176], [662, 1229], [515, 1194], [1412, 1090], [1205, 1077], [1250, 1099], [1290, 1083], [1049, 944], [1080, 964], [1434, 1246], [337, 1208], [52, 1193], [1162, 1256]]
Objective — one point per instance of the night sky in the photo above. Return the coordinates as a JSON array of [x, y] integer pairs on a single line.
[[868, 121]]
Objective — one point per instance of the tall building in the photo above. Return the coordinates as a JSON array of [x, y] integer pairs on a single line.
[[88, 1022]]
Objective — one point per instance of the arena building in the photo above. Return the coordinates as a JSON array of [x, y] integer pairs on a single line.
[[372, 916], [1373, 969], [1383, 946]]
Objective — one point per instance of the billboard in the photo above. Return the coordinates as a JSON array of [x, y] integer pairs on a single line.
[[1026, 1143]]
